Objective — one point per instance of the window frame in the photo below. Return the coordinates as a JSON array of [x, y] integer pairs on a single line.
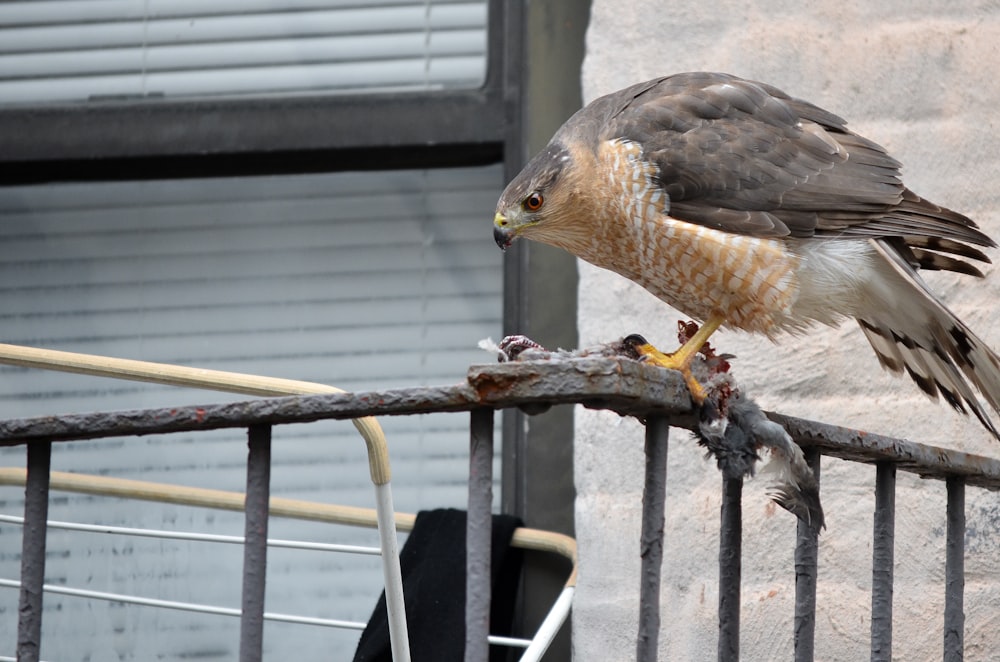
[[147, 138]]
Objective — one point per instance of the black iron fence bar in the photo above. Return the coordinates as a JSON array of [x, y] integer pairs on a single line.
[[620, 385], [954, 581], [883, 543], [921, 459], [627, 387], [36, 513], [730, 568], [623, 386], [806, 571], [258, 496], [478, 536], [654, 494]]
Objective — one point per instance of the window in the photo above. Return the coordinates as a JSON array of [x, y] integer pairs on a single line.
[[298, 189], [83, 50]]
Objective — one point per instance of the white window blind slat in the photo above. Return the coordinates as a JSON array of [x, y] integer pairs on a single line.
[[372, 76], [34, 12], [277, 52], [328, 255], [298, 320], [436, 190], [177, 287], [152, 31], [76, 51]]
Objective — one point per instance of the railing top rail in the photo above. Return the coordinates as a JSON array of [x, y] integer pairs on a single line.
[[620, 385], [215, 380]]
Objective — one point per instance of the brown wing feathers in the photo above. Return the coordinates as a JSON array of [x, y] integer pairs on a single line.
[[746, 158]]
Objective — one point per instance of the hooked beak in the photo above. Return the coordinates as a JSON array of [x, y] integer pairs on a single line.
[[503, 234]]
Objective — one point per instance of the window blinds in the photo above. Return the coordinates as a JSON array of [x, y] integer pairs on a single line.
[[89, 50], [359, 280]]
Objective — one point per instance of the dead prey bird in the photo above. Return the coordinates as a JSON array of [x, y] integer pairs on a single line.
[[731, 427]]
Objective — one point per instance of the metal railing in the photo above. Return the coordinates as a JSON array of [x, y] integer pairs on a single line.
[[524, 538], [657, 396]]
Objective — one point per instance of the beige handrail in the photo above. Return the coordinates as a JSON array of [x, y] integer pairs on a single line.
[[216, 380], [533, 539]]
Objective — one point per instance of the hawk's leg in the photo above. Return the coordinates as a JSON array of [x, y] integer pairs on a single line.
[[681, 359]]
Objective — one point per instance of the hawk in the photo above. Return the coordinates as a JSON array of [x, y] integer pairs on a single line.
[[744, 207]]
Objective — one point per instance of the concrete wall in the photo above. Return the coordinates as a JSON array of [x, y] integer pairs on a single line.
[[921, 79]]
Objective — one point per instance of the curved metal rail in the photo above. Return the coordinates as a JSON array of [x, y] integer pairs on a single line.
[[524, 538], [230, 382]]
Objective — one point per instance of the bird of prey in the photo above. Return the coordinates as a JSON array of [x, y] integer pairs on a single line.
[[744, 207]]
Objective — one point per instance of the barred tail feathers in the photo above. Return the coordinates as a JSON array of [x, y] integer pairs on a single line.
[[917, 334]]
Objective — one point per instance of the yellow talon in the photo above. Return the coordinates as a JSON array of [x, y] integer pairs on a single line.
[[682, 358]]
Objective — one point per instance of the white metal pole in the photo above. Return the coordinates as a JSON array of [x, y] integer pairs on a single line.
[[549, 628], [399, 640]]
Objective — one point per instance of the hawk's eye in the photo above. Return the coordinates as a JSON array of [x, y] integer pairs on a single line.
[[534, 201]]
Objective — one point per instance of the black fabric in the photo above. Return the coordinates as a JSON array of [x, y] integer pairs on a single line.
[[433, 568]]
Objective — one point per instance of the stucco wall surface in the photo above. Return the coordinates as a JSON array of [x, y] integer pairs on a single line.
[[921, 79]]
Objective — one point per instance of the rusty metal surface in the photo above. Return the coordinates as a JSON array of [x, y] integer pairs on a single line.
[[730, 569], [36, 509], [478, 536], [258, 496], [883, 564], [620, 385], [954, 573], [806, 574], [922, 459], [654, 496]]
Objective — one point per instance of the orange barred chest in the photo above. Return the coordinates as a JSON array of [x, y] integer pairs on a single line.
[[700, 271]]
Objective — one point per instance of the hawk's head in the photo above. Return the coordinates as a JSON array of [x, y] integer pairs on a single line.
[[535, 198]]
